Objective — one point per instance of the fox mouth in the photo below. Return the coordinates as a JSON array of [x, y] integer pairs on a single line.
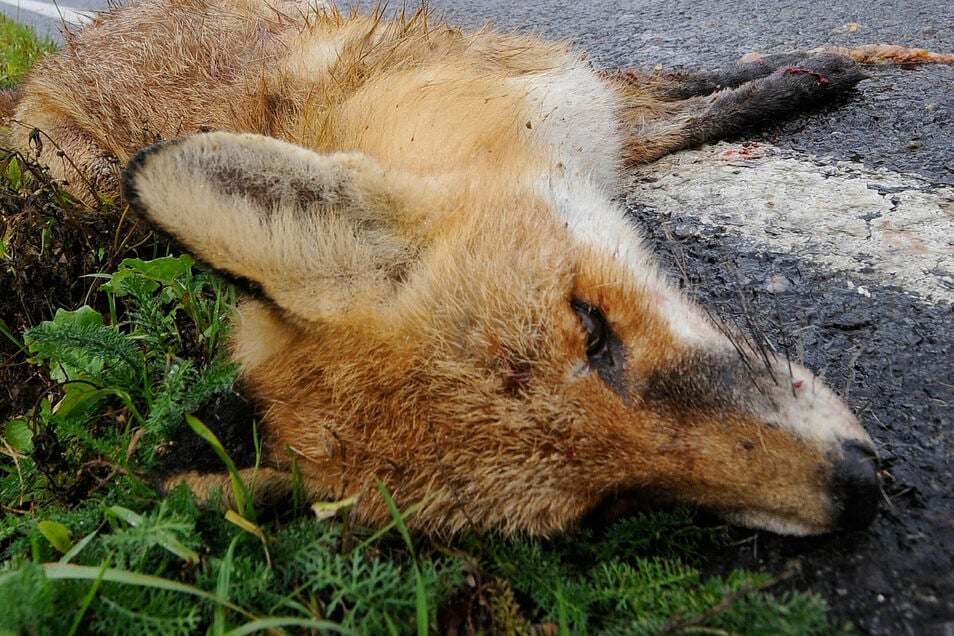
[[852, 505], [632, 501], [786, 526]]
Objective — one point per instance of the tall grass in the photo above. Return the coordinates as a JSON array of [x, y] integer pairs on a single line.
[[19, 49]]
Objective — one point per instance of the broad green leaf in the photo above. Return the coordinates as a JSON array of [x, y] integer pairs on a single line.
[[127, 281], [85, 316], [18, 435], [77, 396], [13, 173], [57, 534], [135, 275], [166, 270]]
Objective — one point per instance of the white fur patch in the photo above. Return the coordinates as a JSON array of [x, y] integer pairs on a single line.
[[816, 413], [315, 56], [596, 220], [778, 525], [573, 117]]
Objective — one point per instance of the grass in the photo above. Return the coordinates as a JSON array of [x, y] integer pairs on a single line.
[[115, 354], [19, 49]]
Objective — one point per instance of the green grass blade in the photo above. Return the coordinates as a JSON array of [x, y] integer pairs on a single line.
[[222, 589], [395, 514], [60, 571], [88, 600], [420, 590], [421, 610], [240, 491], [386, 529], [76, 549], [4, 330], [262, 624]]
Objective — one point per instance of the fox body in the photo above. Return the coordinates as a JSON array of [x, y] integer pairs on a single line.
[[443, 293]]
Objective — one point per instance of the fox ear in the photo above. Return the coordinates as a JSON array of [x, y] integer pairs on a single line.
[[318, 234]]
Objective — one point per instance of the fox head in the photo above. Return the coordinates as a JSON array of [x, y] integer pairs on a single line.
[[506, 355]]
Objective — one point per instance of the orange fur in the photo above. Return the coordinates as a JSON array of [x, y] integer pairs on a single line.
[[448, 299]]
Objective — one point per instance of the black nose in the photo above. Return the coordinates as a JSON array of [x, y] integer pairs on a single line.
[[856, 485]]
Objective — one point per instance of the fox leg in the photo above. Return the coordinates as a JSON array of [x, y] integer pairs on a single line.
[[663, 114], [679, 86]]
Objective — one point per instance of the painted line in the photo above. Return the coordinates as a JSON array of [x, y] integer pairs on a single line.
[[878, 226], [55, 11]]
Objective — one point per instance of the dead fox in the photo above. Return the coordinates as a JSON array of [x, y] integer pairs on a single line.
[[443, 292]]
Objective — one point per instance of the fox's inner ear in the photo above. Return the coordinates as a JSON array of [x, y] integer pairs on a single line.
[[316, 233]]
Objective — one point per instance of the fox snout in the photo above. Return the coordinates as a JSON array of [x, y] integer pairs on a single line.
[[847, 500], [754, 438], [856, 487]]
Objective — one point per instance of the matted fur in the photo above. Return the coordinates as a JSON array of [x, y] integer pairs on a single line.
[[448, 298]]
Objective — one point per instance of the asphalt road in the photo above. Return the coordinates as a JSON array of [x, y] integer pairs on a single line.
[[836, 226]]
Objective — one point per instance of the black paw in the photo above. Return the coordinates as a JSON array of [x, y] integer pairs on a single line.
[[828, 69], [824, 70]]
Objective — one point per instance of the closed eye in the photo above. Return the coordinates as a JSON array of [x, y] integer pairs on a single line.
[[597, 331], [605, 352]]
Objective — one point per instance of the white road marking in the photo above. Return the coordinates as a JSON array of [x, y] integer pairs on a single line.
[[52, 10], [877, 225]]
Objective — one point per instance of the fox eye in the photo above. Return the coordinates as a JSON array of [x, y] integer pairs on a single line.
[[597, 331]]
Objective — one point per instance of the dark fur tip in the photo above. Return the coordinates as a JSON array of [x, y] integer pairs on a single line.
[[131, 194], [130, 191], [133, 166]]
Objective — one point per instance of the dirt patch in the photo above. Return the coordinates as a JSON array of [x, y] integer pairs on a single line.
[[893, 362]]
